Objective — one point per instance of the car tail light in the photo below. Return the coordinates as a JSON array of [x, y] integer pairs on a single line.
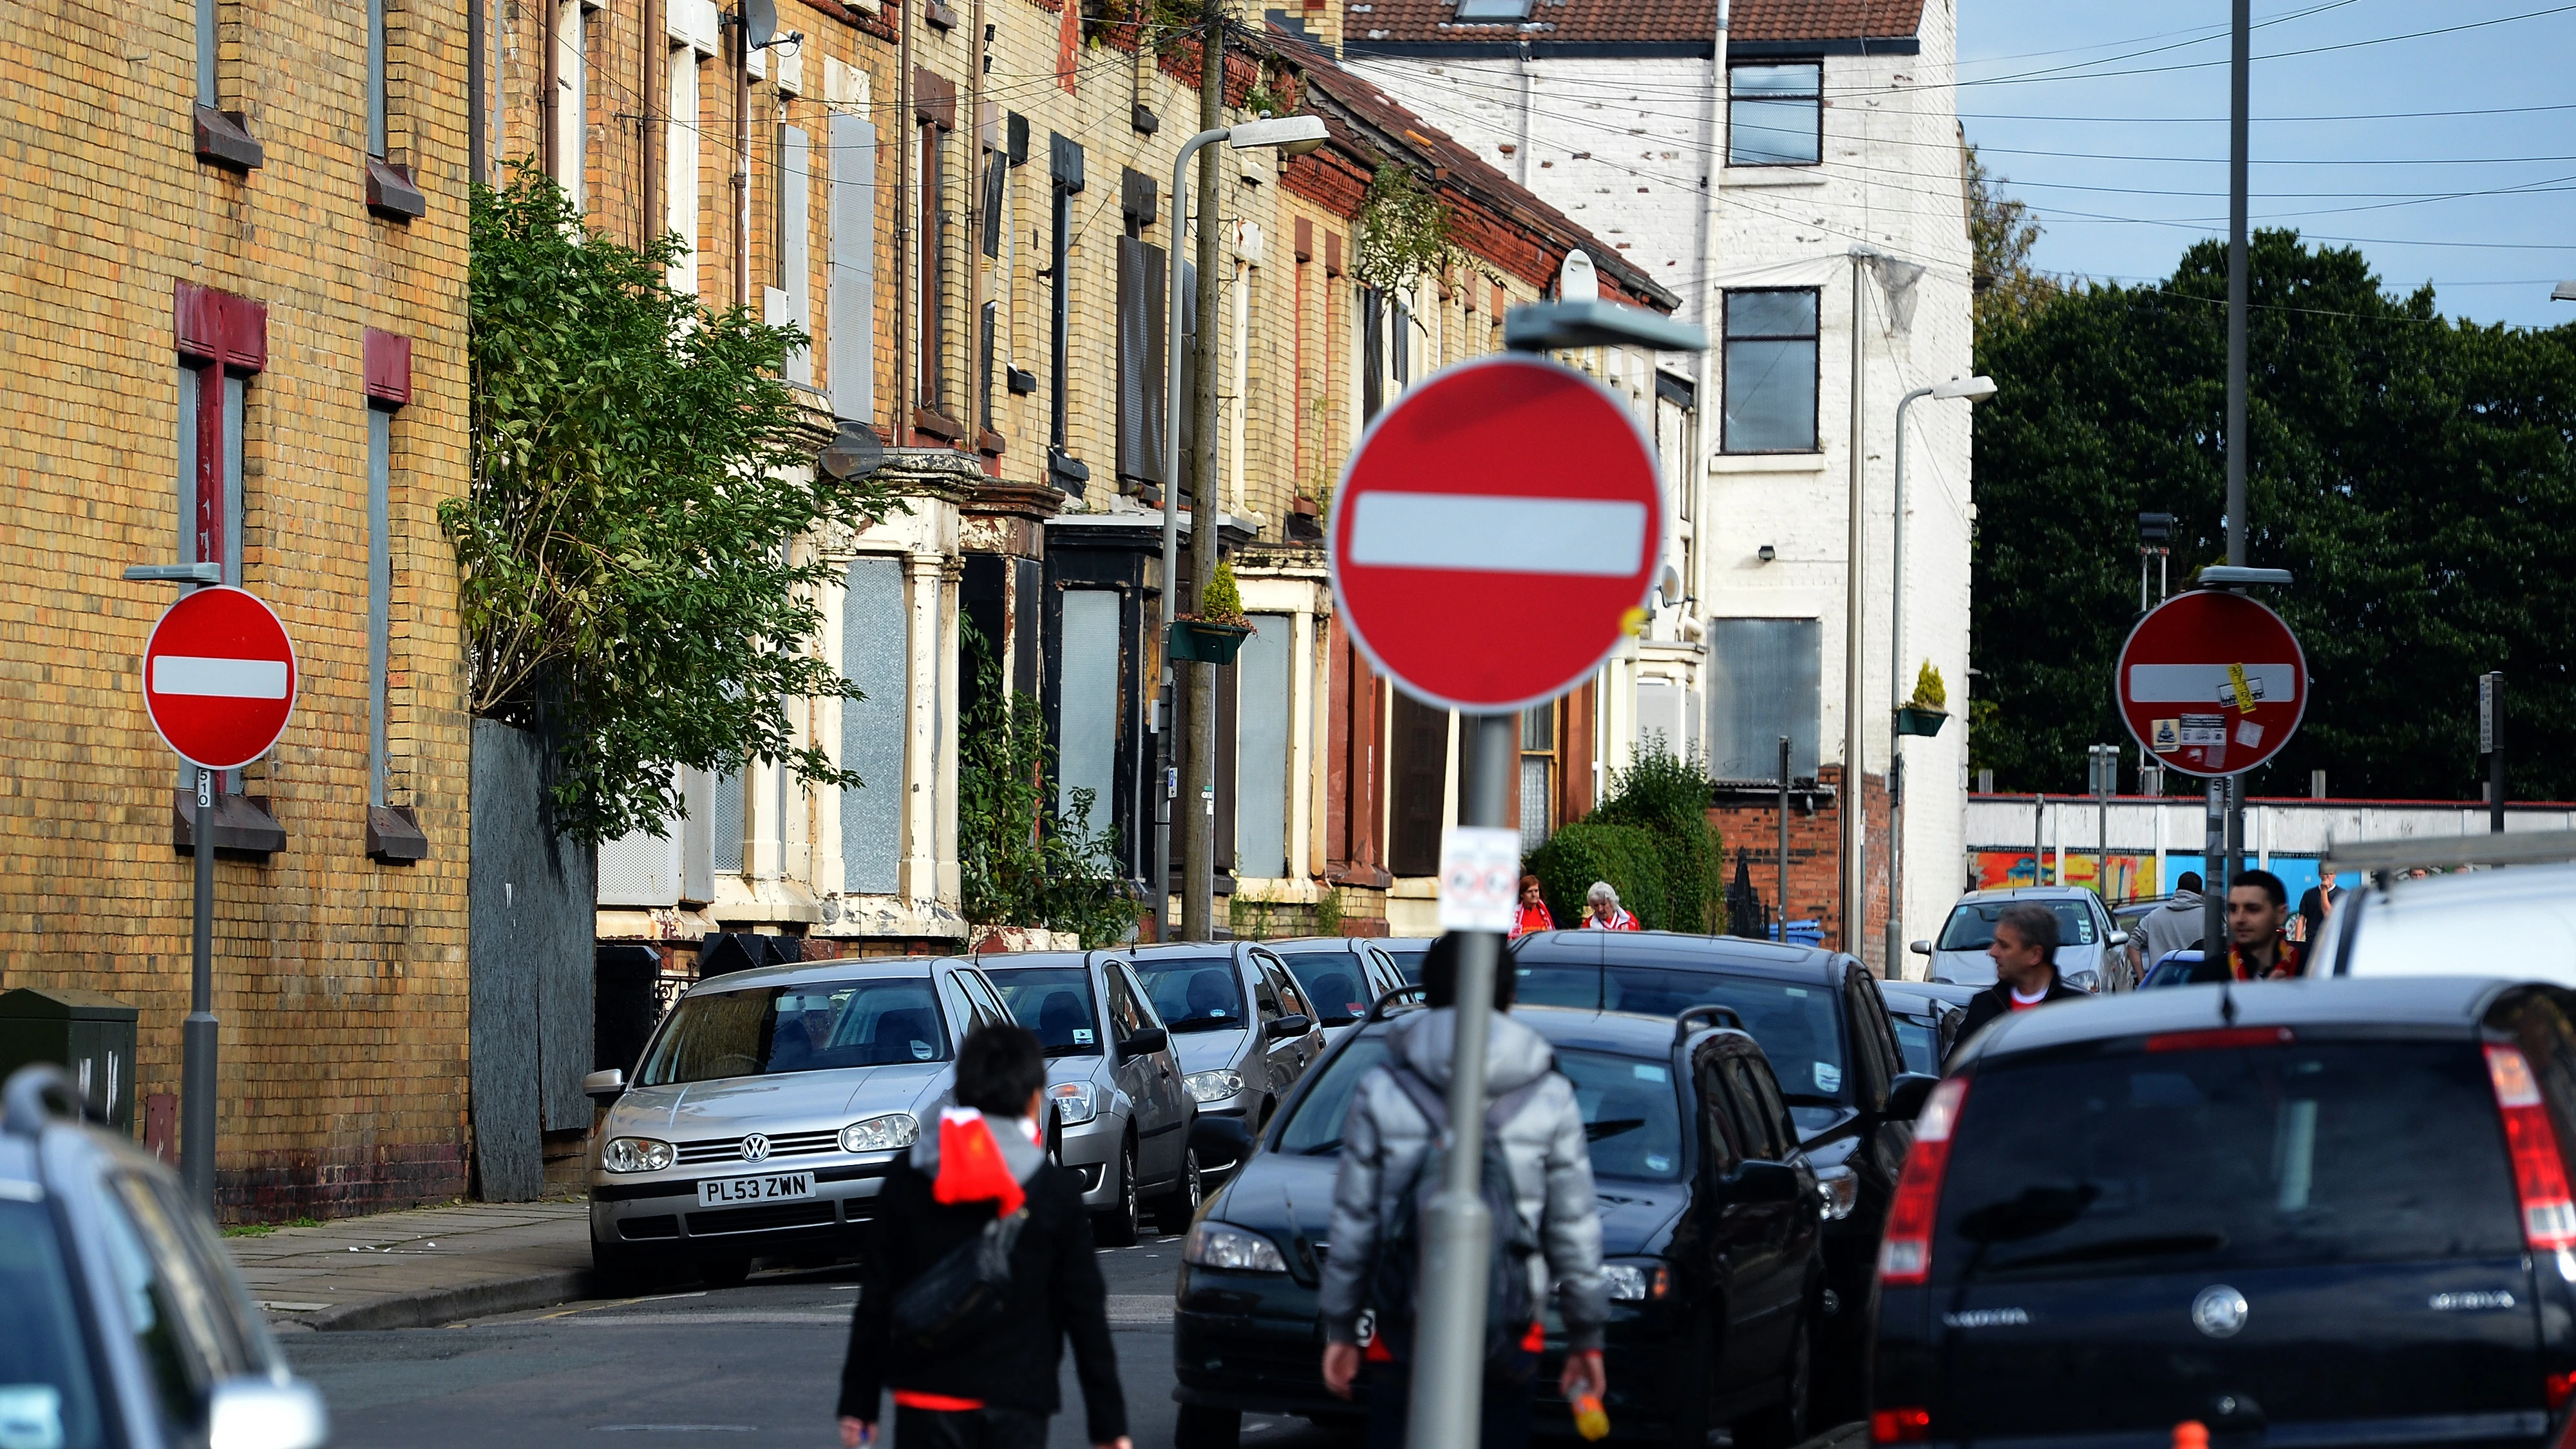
[[2559, 1386], [1907, 1425], [2539, 1173], [1905, 1257], [2230, 1036]]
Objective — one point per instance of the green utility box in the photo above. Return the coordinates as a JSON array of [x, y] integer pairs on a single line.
[[88, 1033]]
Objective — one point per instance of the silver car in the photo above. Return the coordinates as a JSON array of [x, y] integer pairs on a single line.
[[768, 1108], [1342, 976], [1240, 1025], [2085, 936], [1121, 1117]]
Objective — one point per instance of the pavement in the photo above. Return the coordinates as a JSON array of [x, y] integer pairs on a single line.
[[420, 1267]]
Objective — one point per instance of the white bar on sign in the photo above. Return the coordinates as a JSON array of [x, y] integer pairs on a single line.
[[2206, 684], [225, 678], [1500, 533]]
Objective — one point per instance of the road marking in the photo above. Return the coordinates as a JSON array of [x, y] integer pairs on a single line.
[[221, 678], [1499, 533], [675, 1428]]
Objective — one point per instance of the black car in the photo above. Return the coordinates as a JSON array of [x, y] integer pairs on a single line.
[[1927, 1016], [1821, 1021], [2318, 1212], [1708, 1231]]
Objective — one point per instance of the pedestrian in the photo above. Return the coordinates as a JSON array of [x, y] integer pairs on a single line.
[[2175, 925], [982, 1165], [2258, 905], [1602, 910], [2025, 955], [1534, 1122], [1533, 914]]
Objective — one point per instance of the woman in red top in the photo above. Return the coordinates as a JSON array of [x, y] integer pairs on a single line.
[[1607, 914], [1534, 913]]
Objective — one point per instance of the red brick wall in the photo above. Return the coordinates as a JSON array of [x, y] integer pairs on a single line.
[[1749, 827]]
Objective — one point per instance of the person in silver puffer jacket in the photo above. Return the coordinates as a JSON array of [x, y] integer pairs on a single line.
[[1544, 1146]]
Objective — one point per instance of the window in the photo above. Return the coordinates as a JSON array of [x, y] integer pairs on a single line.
[[1126, 1015], [376, 79], [1493, 9], [1261, 754], [680, 178], [1055, 1002], [223, 343], [1766, 679], [207, 53], [764, 1030], [795, 233], [1372, 352], [1770, 372], [1538, 775], [875, 648], [1064, 169], [1195, 993], [1775, 114], [388, 387], [1141, 362], [850, 300], [568, 128], [934, 118]]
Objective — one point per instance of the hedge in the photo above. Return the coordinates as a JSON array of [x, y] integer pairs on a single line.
[[1630, 857]]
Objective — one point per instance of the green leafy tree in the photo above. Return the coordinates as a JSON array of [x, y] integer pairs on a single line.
[[2000, 237], [2416, 474], [1020, 861], [640, 472]]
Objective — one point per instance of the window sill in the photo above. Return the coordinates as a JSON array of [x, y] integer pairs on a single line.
[[1070, 472], [1767, 463], [242, 826], [989, 443], [1738, 176], [938, 425], [394, 835], [223, 139], [391, 194]]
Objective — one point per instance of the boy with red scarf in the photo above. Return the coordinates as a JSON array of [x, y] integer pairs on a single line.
[[984, 1160]]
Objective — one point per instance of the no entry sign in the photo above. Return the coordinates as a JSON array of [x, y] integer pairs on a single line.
[[1495, 533], [219, 678], [2212, 683]]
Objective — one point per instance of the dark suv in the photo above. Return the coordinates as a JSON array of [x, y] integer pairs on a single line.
[[1708, 1236], [2312, 1212]]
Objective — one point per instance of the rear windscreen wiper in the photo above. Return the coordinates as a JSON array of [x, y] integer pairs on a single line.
[[2144, 1245]]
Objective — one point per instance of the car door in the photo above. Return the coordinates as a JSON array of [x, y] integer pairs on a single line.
[[1722, 1235], [1290, 1054], [1152, 1088], [1774, 1236]]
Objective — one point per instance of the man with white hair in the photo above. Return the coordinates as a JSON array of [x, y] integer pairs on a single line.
[[1602, 911]]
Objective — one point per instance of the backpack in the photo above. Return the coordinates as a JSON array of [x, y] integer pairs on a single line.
[[1396, 1273], [959, 1300]]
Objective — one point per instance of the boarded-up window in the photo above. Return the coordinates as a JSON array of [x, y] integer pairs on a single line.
[[850, 342], [795, 229], [1261, 770], [1087, 752], [1140, 360], [1418, 779], [724, 814], [1659, 718], [1766, 679], [874, 650]]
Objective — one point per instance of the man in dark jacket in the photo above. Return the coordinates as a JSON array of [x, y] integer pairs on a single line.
[[2025, 957], [984, 1159]]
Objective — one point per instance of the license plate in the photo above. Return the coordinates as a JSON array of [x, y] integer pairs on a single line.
[[774, 1187]]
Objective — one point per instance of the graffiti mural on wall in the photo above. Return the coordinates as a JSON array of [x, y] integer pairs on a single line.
[[2133, 877]]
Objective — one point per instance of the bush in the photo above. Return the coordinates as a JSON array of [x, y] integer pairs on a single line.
[[1668, 796], [1629, 857]]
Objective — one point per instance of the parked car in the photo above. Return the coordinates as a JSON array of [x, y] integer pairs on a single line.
[[1241, 1027], [1708, 1231], [2519, 917], [2300, 1212], [2086, 939], [1927, 1016], [1407, 953], [123, 1323], [1341, 976], [2128, 918], [2180, 968], [1825, 1027], [767, 1108], [1120, 1116]]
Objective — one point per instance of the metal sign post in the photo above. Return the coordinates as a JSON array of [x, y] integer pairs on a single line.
[[2213, 866], [2491, 744], [197, 1039]]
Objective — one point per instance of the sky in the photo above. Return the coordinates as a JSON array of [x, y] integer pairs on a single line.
[[2111, 122]]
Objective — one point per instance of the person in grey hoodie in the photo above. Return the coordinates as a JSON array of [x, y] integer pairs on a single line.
[[1383, 1143], [2174, 926]]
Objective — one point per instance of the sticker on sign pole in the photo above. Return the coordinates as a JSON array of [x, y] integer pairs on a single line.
[[1480, 869]]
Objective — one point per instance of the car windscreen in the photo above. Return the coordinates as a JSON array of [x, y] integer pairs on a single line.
[[48, 1400], [1056, 1003], [1408, 961], [1630, 1111], [1335, 983], [2280, 1155], [1799, 1026], [764, 1030], [1971, 926], [1194, 993]]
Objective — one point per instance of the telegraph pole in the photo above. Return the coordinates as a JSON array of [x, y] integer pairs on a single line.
[[2240, 285], [1198, 790]]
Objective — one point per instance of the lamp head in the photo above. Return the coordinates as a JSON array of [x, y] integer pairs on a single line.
[[1294, 135], [1974, 389], [2563, 292]]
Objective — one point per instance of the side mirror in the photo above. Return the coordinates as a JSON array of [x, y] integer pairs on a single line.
[[1921, 948], [1221, 1142], [604, 1087], [259, 1413], [1288, 1026], [1144, 1043], [1906, 1095], [2119, 938], [1765, 1182]]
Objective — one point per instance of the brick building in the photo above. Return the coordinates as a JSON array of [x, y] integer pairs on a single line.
[[237, 243]]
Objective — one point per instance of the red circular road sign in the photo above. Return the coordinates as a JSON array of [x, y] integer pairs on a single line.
[[219, 678], [2212, 683], [1495, 533]]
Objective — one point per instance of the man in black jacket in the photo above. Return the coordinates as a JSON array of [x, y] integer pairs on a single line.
[[2025, 957], [984, 1159]]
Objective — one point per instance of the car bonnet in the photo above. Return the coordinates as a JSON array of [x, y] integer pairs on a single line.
[[1205, 1051], [743, 1104]]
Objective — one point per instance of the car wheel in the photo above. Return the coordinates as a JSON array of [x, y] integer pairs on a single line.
[[724, 1270], [1785, 1423], [1118, 1226], [1175, 1212], [618, 1270], [1204, 1427], [1694, 1423]]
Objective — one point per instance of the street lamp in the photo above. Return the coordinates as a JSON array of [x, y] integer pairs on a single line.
[[1294, 135], [2563, 292], [1972, 390]]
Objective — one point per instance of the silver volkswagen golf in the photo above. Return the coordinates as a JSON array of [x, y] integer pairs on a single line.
[[768, 1108]]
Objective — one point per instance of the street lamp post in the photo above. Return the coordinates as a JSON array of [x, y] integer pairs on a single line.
[[1973, 390], [1295, 135]]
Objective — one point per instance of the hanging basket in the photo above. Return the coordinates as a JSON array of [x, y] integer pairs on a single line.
[[1916, 720], [1206, 643]]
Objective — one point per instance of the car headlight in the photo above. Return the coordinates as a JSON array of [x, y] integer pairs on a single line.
[[635, 1154], [1840, 1189], [1213, 1086], [1637, 1282], [881, 1134], [1223, 1245], [1075, 1102]]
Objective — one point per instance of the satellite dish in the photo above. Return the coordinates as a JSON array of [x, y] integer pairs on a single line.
[[854, 454], [760, 22], [1577, 280]]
